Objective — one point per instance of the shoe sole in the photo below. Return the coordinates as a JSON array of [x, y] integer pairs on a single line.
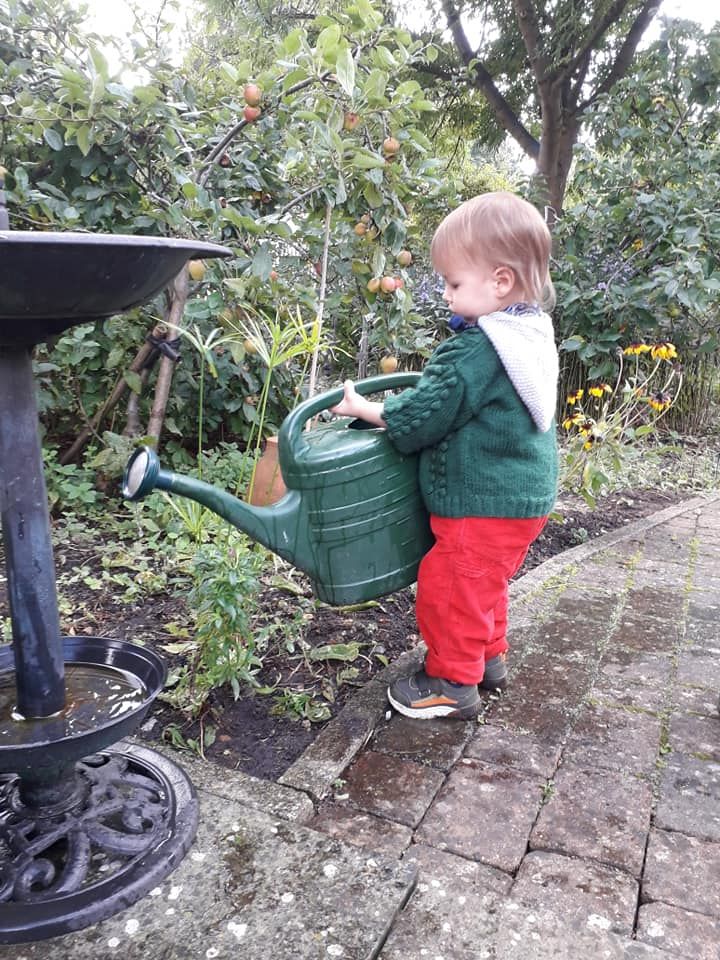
[[438, 710]]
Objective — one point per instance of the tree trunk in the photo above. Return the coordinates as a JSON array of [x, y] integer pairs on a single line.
[[141, 358], [178, 298]]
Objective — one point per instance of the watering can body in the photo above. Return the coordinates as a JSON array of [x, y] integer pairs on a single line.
[[353, 519]]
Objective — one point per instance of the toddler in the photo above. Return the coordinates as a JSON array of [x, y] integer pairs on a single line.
[[482, 419]]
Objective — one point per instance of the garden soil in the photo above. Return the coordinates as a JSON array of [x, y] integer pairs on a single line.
[[266, 728]]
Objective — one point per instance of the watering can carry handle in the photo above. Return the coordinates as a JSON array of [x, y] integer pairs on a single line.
[[291, 430]]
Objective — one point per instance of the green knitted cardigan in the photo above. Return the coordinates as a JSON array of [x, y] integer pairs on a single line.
[[481, 455]]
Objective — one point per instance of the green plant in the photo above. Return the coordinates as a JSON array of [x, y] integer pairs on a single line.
[[70, 488], [604, 422], [223, 603], [301, 705], [278, 341]]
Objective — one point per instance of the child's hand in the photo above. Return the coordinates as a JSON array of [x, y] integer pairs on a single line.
[[348, 405], [355, 405]]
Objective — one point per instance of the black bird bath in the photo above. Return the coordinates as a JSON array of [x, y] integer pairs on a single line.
[[84, 830]]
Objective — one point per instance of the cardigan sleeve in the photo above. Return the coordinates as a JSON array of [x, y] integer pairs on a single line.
[[422, 415]]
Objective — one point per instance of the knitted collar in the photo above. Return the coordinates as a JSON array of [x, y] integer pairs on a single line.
[[519, 309]]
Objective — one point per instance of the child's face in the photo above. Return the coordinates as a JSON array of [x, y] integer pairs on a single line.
[[473, 290]]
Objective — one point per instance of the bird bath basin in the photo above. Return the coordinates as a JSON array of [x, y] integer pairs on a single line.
[[85, 829]]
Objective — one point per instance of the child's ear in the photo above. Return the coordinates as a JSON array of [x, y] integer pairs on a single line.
[[504, 280]]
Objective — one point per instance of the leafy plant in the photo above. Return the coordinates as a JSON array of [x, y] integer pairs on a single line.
[[223, 602], [603, 421]]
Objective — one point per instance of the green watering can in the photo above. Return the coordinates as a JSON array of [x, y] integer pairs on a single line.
[[352, 518]]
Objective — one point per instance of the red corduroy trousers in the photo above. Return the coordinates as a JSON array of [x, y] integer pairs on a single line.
[[462, 591]]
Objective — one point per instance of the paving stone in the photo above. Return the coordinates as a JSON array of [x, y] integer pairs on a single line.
[[434, 742], [667, 545], [634, 679], [240, 788], [338, 743], [690, 797], [704, 606], [582, 609], [598, 898], [495, 744], [612, 738], [251, 886], [529, 717], [600, 817], [704, 635], [696, 736], [543, 935], [699, 667], [569, 633], [453, 910], [655, 603], [700, 701], [682, 871], [635, 631], [484, 812], [361, 829], [681, 933], [398, 790]]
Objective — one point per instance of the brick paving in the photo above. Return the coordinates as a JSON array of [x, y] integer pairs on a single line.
[[580, 817]]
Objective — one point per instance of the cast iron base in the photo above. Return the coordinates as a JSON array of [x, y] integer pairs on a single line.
[[126, 826]]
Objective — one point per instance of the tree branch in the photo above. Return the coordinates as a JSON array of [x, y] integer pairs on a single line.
[[483, 82], [626, 53]]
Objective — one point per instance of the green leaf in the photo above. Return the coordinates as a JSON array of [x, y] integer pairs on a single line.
[[372, 195], [228, 71], [83, 139], [335, 651], [375, 86], [345, 70], [431, 53], [385, 59], [367, 161], [262, 262], [53, 139], [134, 381], [99, 62]]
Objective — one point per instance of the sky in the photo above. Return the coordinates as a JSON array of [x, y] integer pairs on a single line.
[[115, 18]]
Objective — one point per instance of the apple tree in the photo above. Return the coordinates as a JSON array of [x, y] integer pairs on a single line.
[[310, 166]]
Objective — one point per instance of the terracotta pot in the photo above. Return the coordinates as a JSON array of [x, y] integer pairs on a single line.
[[269, 485]]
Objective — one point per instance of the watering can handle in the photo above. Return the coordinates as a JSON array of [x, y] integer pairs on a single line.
[[290, 437]]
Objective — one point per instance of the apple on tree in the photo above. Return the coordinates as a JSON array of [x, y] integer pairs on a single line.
[[196, 269], [388, 364], [390, 146], [251, 113], [252, 94]]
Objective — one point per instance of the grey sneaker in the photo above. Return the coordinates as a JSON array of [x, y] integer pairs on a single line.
[[495, 676], [425, 697]]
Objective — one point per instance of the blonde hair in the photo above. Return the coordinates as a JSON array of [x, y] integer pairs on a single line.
[[498, 229]]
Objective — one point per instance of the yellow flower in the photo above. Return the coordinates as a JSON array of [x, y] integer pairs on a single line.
[[636, 348], [567, 423], [638, 244], [659, 401], [663, 351], [600, 389], [575, 397]]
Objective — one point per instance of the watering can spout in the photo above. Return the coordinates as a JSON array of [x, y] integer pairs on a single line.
[[274, 527]]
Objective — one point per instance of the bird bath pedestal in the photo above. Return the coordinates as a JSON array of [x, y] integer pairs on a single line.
[[84, 830]]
